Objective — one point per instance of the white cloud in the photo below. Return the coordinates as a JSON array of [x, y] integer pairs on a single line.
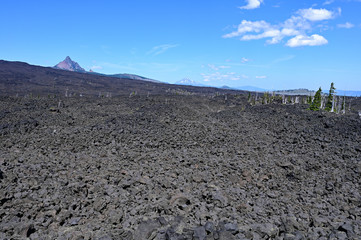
[[252, 4], [224, 67], [244, 60], [161, 49], [296, 28], [216, 68], [221, 77], [261, 77], [248, 26], [301, 40], [316, 14], [267, 33], [328, 2], [247, 30], [297, 22], [345, 25]]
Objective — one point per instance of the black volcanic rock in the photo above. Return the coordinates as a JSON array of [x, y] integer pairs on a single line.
[[172, 166], [69, 65]]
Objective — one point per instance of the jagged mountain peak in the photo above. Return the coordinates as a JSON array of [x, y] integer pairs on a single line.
[[69, 65]]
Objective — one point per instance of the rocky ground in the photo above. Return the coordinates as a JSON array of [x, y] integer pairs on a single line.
[[177, 167]]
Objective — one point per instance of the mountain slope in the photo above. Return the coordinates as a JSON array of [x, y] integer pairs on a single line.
[[69, 65], [23, 79], [134, 77]]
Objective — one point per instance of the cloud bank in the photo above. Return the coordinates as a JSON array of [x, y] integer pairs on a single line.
[[295, 28]]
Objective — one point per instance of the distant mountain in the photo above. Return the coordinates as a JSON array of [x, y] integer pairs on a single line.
[[348, 93], [227, 87], [22, 79], [69, 65], [190, 82], [301, 91], [133, 77], [73, 66], [307, 92], [251, 88]]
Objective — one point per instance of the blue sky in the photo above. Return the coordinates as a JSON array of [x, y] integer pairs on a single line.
[[272, 44]]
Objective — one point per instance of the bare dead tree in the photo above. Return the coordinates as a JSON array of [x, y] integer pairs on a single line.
[[284, 100], [344, 105]]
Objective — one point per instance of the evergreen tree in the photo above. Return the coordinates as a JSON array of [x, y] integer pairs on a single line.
[[316, 103], [309, 100], [330, 98]]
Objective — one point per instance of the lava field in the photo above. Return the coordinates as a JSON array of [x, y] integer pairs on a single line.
[[170, 166]]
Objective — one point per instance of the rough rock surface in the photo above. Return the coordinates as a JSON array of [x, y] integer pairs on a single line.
[[177, 167]]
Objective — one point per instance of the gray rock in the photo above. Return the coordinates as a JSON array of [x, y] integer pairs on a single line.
[[232, 227], [145, 229], [266, 230], [299, 236], [74, 221], [209, 227], [162, 221], [115, 216], [25, 229], [341, 235], [289, 236], [172, 235], [348, 229], [289, 224], [199, 233], [225, 235], [105, 237]]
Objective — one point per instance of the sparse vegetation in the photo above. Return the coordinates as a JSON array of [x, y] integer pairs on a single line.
[[330, 99], [309, 100], [180, 92], [316, 103]]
